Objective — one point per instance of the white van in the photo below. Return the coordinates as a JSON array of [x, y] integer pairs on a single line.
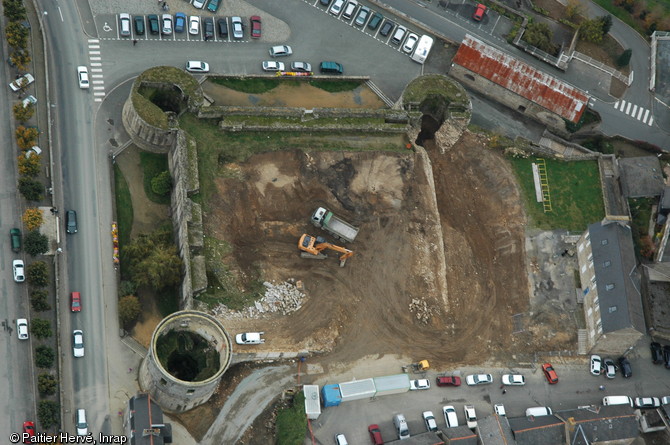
[[349, 9], [401, 426], [539, 411], [617, 400]]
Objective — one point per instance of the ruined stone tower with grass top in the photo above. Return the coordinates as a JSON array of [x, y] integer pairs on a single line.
[[188, 354]]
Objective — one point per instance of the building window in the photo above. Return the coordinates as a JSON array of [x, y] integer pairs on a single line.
[[595, 302], [593, 279], [609, 286], [591, 257], [521, 108], [584, 268], [163, 382], [580, 247], [604, 242], [612, 309], [470, 77], [600, 327], [589, 312], [190, 391], [586, 291], [588, 236], [607, 263]]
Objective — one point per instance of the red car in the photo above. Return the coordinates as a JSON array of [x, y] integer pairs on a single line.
[[549, 373], [375, 435], [448, 381], [76, 302], [255, 27], [479, 12], [29, 428]]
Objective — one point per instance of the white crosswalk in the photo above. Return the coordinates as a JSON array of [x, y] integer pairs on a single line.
[[632, 110], [96, 69]]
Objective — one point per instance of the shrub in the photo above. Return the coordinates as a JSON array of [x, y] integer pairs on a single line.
[[33, 218], [36, 243], [23, 114], [44, 357], [39, 300], [129, 309], [37, 274], [41, 328], [624, 58], [48, 413], [29, 166], [161, 184], [30, 188], [46, 384]]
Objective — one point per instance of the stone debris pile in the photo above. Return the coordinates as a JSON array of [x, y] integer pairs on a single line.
[[419, 307], [284, 297]]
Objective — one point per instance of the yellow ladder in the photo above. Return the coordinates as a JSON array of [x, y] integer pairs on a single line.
[[544, 184]]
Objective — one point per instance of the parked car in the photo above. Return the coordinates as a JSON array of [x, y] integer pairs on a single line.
[[410, 43], [387, 27], [538, 411], [29, 431], [450, 416], [196, 66], [124, 24], [398, 35], [271, 65], [166, 30], [19, 271], [513, 379], [22, 328], [362, 16], [429, 420], [626, 369], [71, 222], [470, 416], [139, 25], [29, 100], [666, 356], [82, 77], [478, 379], [303, 67], [194, 25], [238, 31], [375, 21], [199, 3], [665, 400], [222, 26], [647, 402], [341, 440], [179, 22], [281, 51], [250, 338], [255, 26], [499, 409], [22, 82], [213, 5], [75, 302], [15, 239], [656, 353], [153, 24], [349, 9], [324, 2], [419, 384], [549, 373], [596, 365], [375, 435], [610, 368], [208, 28], [448, 381], [336, 7], [480, 10], [78, 343], [80, 423]]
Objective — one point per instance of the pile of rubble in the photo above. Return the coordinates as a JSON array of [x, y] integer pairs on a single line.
[[420, 308], [284, 297]]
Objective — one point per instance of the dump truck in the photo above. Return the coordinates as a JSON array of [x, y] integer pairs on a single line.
[[336, 226]]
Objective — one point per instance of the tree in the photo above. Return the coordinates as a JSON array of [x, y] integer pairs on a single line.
[[21, 59], [591, 31], [39, 300], [624, 58], [129, 309], [14, 10], [48, 412], [17, 35], [162, 268], [44, 357], [161, 184], [127, 288], [41, 328], [29, 166], [46, 384], [23, 114], [37, 274], [573, 10], [606, 23], [540, 36], [36, 243], [30, 188], [32, 218], [26, 137]]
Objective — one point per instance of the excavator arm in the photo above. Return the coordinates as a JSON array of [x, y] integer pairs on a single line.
[[315, 245]]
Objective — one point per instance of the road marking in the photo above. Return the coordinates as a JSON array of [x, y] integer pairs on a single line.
[[651, 120], [628, 108], [634, 111], [646, 115], [94, 56], [639, 115]]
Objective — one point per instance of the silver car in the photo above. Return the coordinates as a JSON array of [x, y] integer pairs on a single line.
[[479, 379], [281, 51], [238, 31], [167, 25], [78, 343]]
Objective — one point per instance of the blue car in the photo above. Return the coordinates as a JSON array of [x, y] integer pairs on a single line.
[[179, 22], [213, 5]]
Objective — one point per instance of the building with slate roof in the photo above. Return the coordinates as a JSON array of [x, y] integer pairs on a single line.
[[641, 177], [610, 291], [616, 424], [145, 422], [545, 430]]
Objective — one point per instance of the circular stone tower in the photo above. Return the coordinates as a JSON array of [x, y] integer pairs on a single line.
[[188, 354]]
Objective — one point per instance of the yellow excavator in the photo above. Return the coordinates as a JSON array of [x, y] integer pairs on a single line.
[[313, 247]]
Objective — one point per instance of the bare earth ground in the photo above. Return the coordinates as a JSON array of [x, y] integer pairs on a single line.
[[294, 95]]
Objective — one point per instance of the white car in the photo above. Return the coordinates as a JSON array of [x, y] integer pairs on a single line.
[[647, 402], [238, 30], [429, 419], [513, 379], [195, 66], [470, 416], [419, 384], [281, 51], [30, 100], [194, 25], [301, 66], [167, 24], [499, 408], [78, 343], [478, 379], [450, 416], [336, 7], [250, 338], [410, 43], [82, 77], [22, 328], [22, 82], [341, 440], [665, 400], [19, 271], [271, 65], [610, 368], [199, 3], [80, 423], [596, 365]]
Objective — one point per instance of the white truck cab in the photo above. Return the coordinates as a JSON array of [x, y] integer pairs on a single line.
[[250, 338]]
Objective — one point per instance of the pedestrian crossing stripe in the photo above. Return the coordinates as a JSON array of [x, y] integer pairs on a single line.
[[634, 111]]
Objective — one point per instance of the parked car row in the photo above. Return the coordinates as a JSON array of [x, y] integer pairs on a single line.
[[212, 5], [606, 366], [660, 354], [167, 24]]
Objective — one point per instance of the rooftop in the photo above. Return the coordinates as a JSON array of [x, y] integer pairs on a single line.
[[641, 176], [146, 422]]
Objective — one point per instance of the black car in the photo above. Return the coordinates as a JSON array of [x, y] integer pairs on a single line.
[[208, 28], [375, 21], [325, 2], [71, 221], [222, 25], [656, 353], [153, 24], [666, 356], [625, 367], [139, 25], [387, 27]]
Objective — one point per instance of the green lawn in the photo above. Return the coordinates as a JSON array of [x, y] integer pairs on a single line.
[[152, 165], [124, 207], [576, 197]]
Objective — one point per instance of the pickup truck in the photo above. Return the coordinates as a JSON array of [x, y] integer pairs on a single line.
[[22, 82], [334, 225], [250, 338]]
